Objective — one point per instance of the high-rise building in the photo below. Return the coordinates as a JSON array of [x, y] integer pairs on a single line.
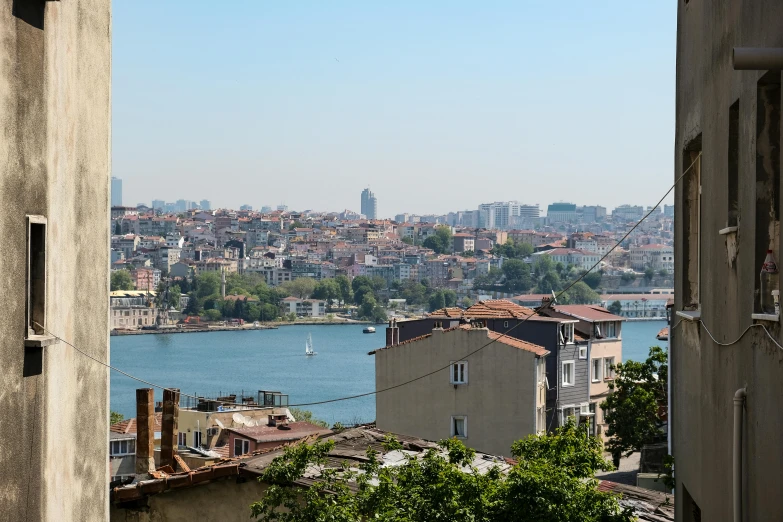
[[369, 204], [282, 208], [116, 192], [266, 208], [158, 204], [561, 213], [206, 204], [500, 214], [246, 207]]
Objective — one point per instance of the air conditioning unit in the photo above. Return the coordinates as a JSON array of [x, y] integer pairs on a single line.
[[211, 432]]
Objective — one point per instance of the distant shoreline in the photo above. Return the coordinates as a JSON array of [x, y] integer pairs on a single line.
[[266, 326]]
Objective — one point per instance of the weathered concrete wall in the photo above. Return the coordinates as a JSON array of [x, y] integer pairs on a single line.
[[227, 500], [499, 398], [55, 74], [705, 375]]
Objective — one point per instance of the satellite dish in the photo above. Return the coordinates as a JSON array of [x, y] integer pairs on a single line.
[[220, 424], [238, 418], [248, 421]]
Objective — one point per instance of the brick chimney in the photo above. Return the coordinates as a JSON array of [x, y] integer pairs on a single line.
[[169, 432], [145, 432]]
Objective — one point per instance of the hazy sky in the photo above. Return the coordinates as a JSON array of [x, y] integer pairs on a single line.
[[436, 107]]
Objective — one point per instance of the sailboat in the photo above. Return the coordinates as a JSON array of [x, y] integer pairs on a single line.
[[309, 346]]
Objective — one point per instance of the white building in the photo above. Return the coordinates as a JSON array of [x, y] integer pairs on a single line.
[[571, 256], [303, 307], [657, 257]]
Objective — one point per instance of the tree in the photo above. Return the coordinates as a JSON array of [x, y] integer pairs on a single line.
[[649, 273], [360, 293], [616, 307], [407, 240], [466, 302], [441, 241], [301, 287], [121, 280], [592, 279], [549, 283], [634, 411], [117, 228], [213, 315], [328, 290], [663, 272], [551, 480], [115, 417], [517, 275], [468, 253], [307, 416], [580, 293], [367, 307], [437, 300], [346, 291]]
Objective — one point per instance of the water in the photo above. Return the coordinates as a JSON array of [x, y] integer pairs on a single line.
[[230, 362]]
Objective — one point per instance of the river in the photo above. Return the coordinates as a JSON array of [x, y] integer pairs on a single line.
[[235, 361]]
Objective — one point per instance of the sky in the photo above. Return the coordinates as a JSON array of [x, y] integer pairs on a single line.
[[436, 106]]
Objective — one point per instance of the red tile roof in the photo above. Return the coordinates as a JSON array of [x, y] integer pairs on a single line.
[[128, 426], [588, 313]]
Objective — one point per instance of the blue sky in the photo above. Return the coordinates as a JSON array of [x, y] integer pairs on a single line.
[[436, 107]]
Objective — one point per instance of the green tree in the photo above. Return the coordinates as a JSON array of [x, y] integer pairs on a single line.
[[663, 272], [441, 242], [307, 416], [346, 290], [517, 274], [301, 287], [115, 417], [549, 282], [367, 307], [117, 228], [213, 315], [437, 300], [360, 281], [592, 279], [327, 290], [360, 293], [407, 240], [466, 302], [616, 307], [468, 253], [450, 298], [580, 293], [649, 273], [121, 280], [551, 480], [637, 403]]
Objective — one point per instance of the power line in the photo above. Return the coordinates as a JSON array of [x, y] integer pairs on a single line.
[[504, 334]]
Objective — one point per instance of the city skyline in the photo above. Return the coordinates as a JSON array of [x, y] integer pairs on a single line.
[[425, 116]]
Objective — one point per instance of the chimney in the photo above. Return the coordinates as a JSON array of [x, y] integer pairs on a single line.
[[395, 334], [145, 432], [169, 436], [390, 334]]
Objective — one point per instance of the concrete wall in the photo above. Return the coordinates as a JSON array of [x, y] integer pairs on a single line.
[[705, 375], [55, 81], [227, 500], [499, 398]]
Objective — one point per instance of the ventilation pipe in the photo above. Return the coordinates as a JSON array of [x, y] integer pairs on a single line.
[[739, 404], [757, 58]]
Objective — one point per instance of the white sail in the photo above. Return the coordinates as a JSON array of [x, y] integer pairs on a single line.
[[309, 345]]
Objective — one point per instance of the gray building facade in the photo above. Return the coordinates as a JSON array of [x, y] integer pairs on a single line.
[[116, 192], [55, 116], [369, 204], [726, 399]]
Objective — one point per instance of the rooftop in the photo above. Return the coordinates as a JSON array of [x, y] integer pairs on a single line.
[[589, 313], [295, 431]]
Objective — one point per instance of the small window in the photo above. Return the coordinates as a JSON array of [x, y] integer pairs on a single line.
[[505, 324], [196, 439], [568, 373], [36, 276], [182, 439], [241, 447], [596, 377], [610, 330], [567, 333], [609, 368], [459, 426], [583, 351], [459, 372], [584, 410]]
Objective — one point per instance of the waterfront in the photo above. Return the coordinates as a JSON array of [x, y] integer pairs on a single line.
[[233, 361]]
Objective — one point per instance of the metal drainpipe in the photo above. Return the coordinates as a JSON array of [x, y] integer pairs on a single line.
[[739, 403]]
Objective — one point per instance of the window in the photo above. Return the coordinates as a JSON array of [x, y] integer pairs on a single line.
[[733, 159], [584, 410], [505, 324], [609, 368], [459, 426], [241, 447], [568, 373], [597, 375], [692, 221], [182, 439], [459, 372], [122, 447], [36, 276], [566, 333], [196, 439], [610, 330], [583, 351]]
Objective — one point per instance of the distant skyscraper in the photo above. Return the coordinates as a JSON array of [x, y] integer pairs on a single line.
[[266, 208], [246, 207], [206, 204], [158, 204], [369, 204], [116, 192], [282, 208]]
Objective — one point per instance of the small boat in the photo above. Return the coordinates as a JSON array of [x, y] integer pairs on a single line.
[[369, 329], [663, 335], [309, 346]]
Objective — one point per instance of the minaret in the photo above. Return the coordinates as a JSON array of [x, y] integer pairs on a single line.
[[223, 283]]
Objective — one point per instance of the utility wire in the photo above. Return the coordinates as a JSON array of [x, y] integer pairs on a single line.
[[504, 334]]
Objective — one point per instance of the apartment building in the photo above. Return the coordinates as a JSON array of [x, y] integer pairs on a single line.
[[725, 411], [490, 400], [571, 256], [303, 307], [55, 168], [656, 256]]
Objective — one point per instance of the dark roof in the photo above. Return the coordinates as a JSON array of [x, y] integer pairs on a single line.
[[296, 431], [589, 313]]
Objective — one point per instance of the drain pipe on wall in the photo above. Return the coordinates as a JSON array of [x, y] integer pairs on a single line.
[[739, 405]]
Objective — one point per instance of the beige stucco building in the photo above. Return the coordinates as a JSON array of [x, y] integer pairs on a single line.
[[490, 400], [55, 93]]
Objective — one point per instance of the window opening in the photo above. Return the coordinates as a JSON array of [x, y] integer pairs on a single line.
[[568, 373], [459, 372], [36, 275], [733, 170]]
